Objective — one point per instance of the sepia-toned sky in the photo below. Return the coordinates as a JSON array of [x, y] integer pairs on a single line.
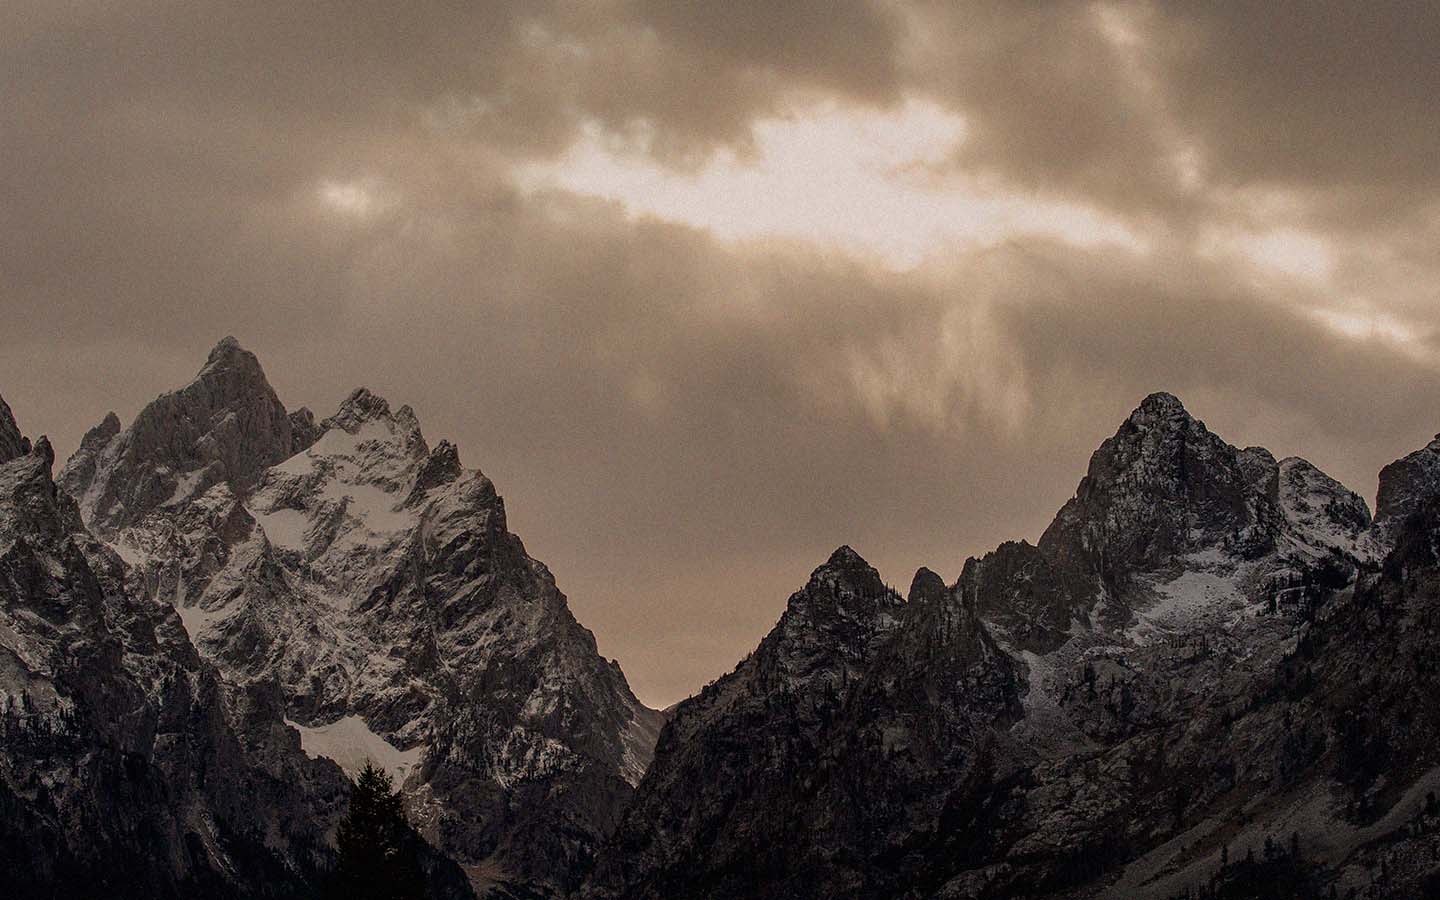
[[711, 288]]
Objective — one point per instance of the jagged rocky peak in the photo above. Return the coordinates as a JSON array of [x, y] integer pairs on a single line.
[[360, 464], [1165, 485], [372, 583], [850, 576], [1158, 407], [1261, 471], [1019, 592], [226, 426], [1319, 510], [1162, 486], [304, 430], [102, 434], [1293, 499], [360, 407], [1162, 496], [12, 442], [30, 504], [442, 466], [345, 490], [831, 627], [941, 628], [859, 722], [79, 471], [844, 590], [365, 409], [926, 588], [227, 352], [736, 754], [1406, 484], [846, 567]]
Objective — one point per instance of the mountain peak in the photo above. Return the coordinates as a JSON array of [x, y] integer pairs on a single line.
[[227, 355], [1407, 484], [442, 466], [1161, 486], [360, 407], [845, 582], [846, 558], [12, 443], [303, 430], [1159, 407], [227, 344], [926, 587], [226, 425], [43, 450]]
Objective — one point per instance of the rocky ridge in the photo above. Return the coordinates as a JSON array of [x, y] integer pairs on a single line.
[[1207, 675], [1211, 676], [373, 579]]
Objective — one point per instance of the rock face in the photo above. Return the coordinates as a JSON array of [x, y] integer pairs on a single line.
[[128, 768], [1162, 486], [1212, 673], [373, 579], [752, 744], [12, 442], [225, 427], [1406, 485]]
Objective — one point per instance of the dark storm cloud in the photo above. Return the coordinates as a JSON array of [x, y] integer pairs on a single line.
[[683, 427], [1335, 98], [1333, 102], [161, 142], [1054, 103]]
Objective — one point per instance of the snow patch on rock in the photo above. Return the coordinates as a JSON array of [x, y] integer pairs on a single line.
[[1192, 600], [284, 528], [349, 742]]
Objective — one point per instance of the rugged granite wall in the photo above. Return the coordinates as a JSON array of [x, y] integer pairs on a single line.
[[1406, 485]]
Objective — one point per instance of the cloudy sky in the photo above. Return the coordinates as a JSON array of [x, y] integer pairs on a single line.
[[711, 288]]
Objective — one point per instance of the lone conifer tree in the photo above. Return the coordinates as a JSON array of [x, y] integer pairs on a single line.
[[376, 847]]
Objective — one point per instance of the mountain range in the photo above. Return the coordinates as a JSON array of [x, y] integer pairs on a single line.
[[1214, 674]]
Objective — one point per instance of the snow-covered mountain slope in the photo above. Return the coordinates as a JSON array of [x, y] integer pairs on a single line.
[[375, 580], [126, 767], [1208, 648]]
